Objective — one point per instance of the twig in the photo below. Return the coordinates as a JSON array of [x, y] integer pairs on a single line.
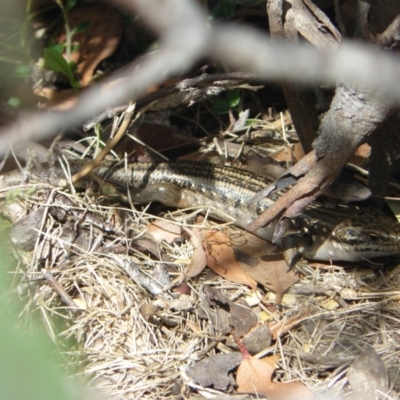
[[227, 80], [110, 145], [60, 290]]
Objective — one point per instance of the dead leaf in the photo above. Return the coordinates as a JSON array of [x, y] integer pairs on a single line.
[[221, 258], [148, 312], [291, 153], [199, 259], [264, 165], [183, 288], [98, 41], [258, 339], [260, 260], [214, 371], [283, 154], [254, 376], [162, 229], [144, 244], [95, 43], [229, 316]]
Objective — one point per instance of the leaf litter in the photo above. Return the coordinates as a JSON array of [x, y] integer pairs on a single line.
[[149, 351]]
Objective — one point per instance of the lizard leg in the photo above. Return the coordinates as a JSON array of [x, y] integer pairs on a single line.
[[293, 242]]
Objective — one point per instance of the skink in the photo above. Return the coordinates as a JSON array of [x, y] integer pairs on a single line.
[[319, 233]]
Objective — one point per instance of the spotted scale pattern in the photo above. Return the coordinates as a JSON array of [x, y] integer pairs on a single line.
[[344, 233]]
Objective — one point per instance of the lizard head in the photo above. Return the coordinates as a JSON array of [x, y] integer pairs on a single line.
[[363, 236]]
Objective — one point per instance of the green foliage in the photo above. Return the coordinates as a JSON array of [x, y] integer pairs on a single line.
[[57, 63], [69, 4], [59, 47], [16, 60], [231, 100], [233, 97], [82, 27], [13, 194], [69, 33]]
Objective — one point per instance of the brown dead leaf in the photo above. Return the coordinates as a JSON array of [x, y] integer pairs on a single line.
[[144, 244], [165, 230], [162, 229], [264, 165], [260, 260], [98, 41], [256, 340], [291, 153], [229, 316], [254, 376], [221, 258], [183, 288], [199, 259]]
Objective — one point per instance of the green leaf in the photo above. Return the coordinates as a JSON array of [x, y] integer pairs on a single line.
[[69, 4], [220, 107], [75, 47], [73, 66], [60, 47], [11, 195], [233, 97], [30, 191], [81, 27], [57, 63]]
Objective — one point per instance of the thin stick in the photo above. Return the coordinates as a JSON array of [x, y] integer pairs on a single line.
[[110, 145], [59, 290]]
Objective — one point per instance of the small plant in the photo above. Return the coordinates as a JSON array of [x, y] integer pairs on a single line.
[[231, 99], [53, 54], [68, 47], [57, 63]]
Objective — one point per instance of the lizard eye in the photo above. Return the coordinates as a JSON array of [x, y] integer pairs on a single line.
[[352, 234], [373, 237]]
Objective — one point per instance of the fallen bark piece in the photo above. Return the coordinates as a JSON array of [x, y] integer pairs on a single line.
[[368, 376]]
